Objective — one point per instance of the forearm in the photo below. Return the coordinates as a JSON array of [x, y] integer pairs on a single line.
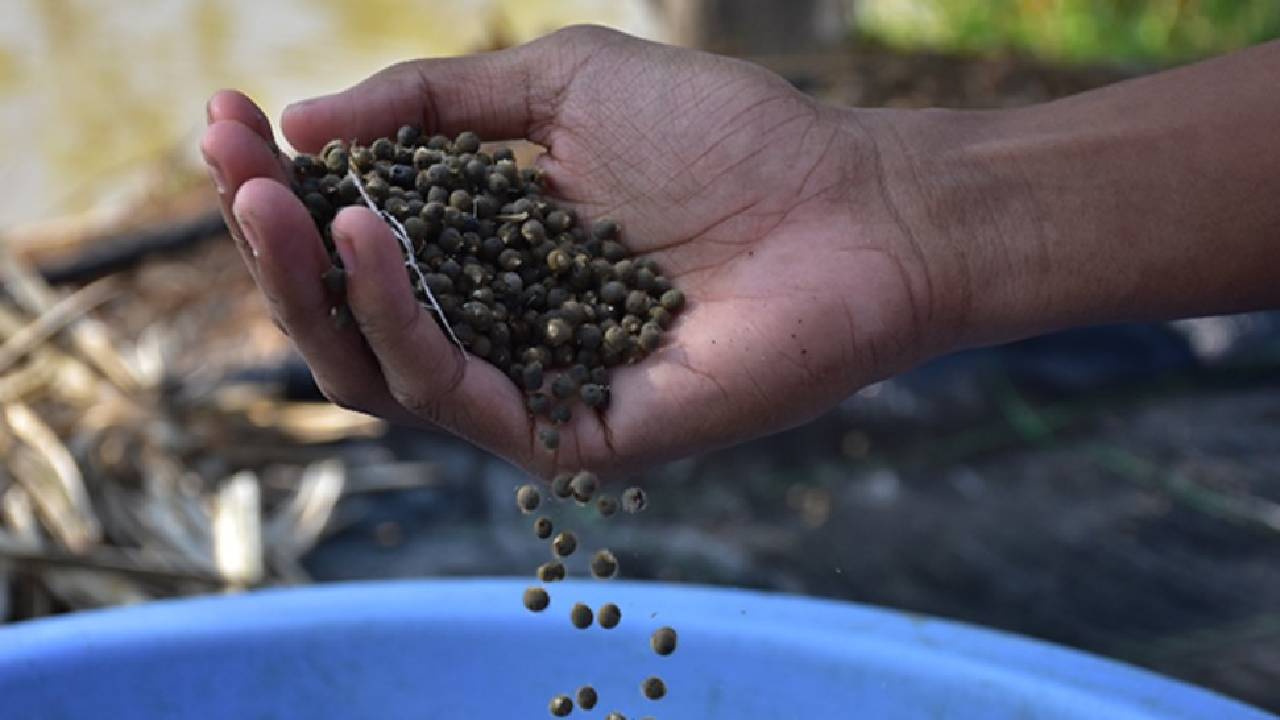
[[1155, 198]]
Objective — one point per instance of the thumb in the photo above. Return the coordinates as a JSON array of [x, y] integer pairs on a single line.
[[512, 93]]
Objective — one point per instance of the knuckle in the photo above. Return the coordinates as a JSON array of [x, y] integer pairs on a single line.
[[429, 399], [417, 401], [383, 329]]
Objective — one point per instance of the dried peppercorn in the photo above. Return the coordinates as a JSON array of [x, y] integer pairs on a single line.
[[634, 500], [564, 544], [580, 615], [560, 485], [663, 641], [552, 571], [536, 599], [604, 565], [609, 616], [561, 706], [583, 486], [543, 527], [606, 506], [528, 498]]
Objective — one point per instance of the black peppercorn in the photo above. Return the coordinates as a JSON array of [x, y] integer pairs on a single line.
[[583, 486], [335, 282], [606, 506], [609, 616], [536, 599], [634, 500], [558, 332], [543, 527], [538, 403], [563, 387], [663, 641], [580, 615], [551, 571], [561, 706], [593, 396], [466, 142], [637, 303], [407, 135], [383, 149], [613, 292], [528, 498], [560, 485], [532, 379], [560, 414], [650, 336], [461, 199], [604, 229], [672, 300], [564, 544], [604, 565]]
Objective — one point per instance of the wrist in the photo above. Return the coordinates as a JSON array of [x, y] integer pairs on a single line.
[[953, 212]]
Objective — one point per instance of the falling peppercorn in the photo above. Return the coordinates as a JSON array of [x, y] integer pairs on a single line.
[[551, 571], [528, 498], [560, 485], [542, 527], [536, 599], [580, 615], [561, 706], [564, 544], [583, 486], [663, 641], [654, 688], [634, 500], [609, 616], [604, 565], [606, 506], [587, 697]]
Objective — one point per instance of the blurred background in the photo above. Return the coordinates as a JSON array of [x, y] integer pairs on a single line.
[[1114, 489]]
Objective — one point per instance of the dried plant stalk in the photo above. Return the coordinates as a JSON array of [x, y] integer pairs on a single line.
[[80, 526], [89, 337], [55, 318], [237, 530]]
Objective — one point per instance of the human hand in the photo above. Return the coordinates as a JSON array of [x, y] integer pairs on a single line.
[[769, 209]]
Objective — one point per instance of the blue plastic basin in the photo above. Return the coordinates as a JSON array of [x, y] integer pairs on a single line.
[[468, 649]]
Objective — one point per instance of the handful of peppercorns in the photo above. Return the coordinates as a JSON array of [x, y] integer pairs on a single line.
[[510, 276]]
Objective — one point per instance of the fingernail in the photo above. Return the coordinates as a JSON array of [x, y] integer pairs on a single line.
[[247, 230], [215, 173]]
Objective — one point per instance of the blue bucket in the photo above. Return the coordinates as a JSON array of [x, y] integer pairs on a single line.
[[468, 649]]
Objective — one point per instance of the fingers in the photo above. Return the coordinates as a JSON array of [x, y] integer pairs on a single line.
[[290, 262], [236, 106], [424, 371], [512, 93], [236, 151]]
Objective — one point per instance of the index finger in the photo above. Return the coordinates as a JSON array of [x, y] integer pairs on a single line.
[[512, 93]]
